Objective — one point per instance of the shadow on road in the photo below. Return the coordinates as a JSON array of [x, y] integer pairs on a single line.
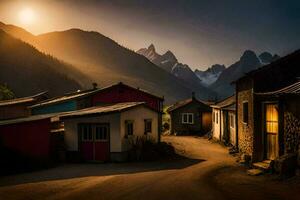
[[69, 171]]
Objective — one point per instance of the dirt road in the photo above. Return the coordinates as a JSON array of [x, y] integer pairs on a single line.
[[207, 173]]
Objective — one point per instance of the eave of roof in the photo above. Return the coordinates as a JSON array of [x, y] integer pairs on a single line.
[[291, 89], [184, 103], [225, 102], [100, 110], [277, 62], [21, 100]]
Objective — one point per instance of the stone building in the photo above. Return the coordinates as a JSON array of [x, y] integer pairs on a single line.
[[268, 104]]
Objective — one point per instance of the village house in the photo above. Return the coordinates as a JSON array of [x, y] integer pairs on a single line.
[[268, 109], [15, 108], [190, 116], [29, 137], [100, 133], [116, 93], [224, 121], [105, 133]]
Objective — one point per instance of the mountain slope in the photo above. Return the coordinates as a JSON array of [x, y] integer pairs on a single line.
[[169, 63], [27, 71], [106, 62], [210, 75], [249, 61]]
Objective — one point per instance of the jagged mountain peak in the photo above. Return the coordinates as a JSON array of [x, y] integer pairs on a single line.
[[169, 56], [249, 58], [151, 47]]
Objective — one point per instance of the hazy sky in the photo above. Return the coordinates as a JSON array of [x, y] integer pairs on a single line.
[[199, 32]]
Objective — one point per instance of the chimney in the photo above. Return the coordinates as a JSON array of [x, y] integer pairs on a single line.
[[95, 86], [193, 95]]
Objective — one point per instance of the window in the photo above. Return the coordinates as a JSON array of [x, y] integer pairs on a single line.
[[217, 117], [213, 116], [86, 132], [245, 112], [271, 119], [187, 118], [231, 120], [128, 128], [101, 133], [148, 126]]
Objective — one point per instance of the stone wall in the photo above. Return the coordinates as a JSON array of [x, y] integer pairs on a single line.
[[291, 132], [245, 130]]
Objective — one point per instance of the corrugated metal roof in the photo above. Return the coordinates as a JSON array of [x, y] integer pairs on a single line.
[[27, 119], [291, 89], [119, 107], [66, 97], [21, 100], [225, 102]]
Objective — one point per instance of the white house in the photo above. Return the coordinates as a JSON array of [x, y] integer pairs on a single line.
[[105, 133], [224, 121]]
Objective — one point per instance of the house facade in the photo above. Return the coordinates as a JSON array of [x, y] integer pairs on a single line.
[[224, 121], [268, 109], [108, 132], [190, 116]]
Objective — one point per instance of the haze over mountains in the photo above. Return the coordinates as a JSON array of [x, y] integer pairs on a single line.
[[27, 71], [104, 61], [218, 78]]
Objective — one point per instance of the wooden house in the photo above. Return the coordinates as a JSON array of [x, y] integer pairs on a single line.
[[16, 108], [190, 116], [105, 133], [29, 137], [117, 93], [224, 121], [268, 109]]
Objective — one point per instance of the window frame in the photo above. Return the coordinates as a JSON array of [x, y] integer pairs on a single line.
[[95, 133], [145, 126], [82, 132], [187, 115], [245, 114], [127, 122]]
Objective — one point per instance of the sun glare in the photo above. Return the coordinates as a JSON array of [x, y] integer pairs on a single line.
[[27, 16]]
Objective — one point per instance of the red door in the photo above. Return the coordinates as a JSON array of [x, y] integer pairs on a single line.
[[94, 142]]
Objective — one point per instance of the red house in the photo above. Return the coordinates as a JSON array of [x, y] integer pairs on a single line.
[[29, 137]]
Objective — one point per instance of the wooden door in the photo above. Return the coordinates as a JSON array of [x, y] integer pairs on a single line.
[[94, 142], [101, 142], [271, 129], [206, 121]]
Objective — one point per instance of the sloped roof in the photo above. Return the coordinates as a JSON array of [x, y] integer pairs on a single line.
[[21, 100], [291, 89], [182, 103], [225, 102], [86, 93], [139, 89], [66, 97], [119, 107], [28, 119]]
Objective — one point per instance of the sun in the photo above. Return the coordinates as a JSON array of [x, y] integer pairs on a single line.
[[27, 16]]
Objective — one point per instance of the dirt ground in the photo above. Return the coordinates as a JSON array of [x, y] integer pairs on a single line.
[[207, 172]]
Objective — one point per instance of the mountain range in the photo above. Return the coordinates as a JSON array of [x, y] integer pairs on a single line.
[[102, 60], [248, 61], [218, 78]]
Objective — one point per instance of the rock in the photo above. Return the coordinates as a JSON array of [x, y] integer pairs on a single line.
[[254, 172], [286, 165]]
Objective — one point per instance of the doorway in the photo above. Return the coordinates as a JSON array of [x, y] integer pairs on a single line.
[[271, 131]]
